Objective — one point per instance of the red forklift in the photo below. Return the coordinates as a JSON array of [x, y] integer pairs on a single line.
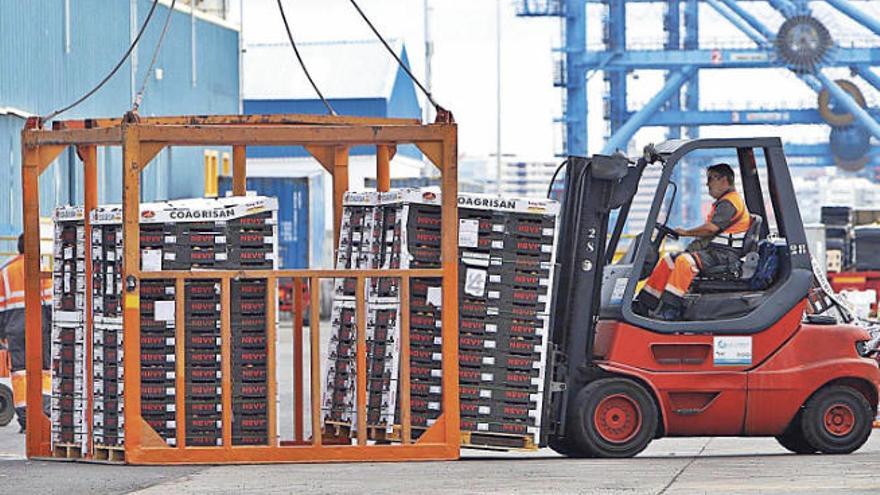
[[762, 348]]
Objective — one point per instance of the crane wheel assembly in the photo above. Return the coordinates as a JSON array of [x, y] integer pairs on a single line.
[[835, 118]]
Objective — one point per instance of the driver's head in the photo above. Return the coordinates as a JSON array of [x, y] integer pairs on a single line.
[[719, 179]]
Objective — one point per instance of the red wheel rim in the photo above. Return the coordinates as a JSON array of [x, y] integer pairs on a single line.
[[618, 418], [839, 420]]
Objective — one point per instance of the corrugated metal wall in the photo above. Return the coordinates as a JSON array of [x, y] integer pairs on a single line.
[[49, 59]]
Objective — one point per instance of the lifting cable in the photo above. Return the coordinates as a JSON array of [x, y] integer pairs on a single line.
[[553, 179], [301, 63], [140, 94], [112, 72], [443, 115]]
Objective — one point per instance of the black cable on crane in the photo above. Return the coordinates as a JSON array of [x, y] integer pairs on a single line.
[[301, 63], [443, 115], [140, 94], [112, 72]]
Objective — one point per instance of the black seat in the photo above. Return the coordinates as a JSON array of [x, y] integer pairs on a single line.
[[742, 268]]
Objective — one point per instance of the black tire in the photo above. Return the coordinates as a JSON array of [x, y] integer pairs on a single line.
[[7, 411], [837, 420], [564, 446], [613, 417], [794, 441]]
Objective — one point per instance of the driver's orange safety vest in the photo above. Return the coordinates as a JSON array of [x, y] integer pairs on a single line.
[[735, 233]]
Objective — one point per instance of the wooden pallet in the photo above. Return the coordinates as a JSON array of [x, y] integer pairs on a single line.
[[396, 434], [110, 453], [497, 441], [67, 451], [338, 430]]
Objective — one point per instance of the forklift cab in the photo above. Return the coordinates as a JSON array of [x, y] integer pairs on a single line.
[[728, 297]]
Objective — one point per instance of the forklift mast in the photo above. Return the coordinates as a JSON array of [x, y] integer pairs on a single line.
[[594, 187]]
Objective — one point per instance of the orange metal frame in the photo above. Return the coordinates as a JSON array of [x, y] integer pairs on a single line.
[[328, 139]]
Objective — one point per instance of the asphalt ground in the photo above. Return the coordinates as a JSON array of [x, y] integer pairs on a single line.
[[668, 466]]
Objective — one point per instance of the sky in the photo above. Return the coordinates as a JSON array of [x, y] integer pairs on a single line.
[[464, 64]]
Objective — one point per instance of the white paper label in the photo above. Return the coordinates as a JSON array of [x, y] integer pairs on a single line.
[[619, 288], [164, 310], [468, 233], [475, 282], [151, 260], [435, 296], [734, 351]]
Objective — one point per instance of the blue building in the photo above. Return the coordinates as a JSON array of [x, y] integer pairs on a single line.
[[357, 77], [54, 51]]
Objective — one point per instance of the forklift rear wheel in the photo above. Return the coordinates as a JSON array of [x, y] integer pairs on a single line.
[[793, 439], [7, 411], [837, 420], [613, 417]]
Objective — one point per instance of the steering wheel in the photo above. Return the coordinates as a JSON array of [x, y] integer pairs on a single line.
[[665, 231], [653, 254]]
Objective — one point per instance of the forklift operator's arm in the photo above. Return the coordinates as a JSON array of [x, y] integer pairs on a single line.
[[708, 229]]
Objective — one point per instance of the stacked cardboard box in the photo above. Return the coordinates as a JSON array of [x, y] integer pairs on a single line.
[[203, 375], [506, 250], [229, 233], [157, 339], [250, 363], [369, 239], [68, 402], [158, 357], [422, 250], [107, 335], [506, 256]]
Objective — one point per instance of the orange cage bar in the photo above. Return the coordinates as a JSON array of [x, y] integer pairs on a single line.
[[328, 140]]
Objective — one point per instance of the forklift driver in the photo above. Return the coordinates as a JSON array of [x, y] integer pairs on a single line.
[[718, 242]]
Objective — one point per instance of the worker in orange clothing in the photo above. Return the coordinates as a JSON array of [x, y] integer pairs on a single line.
[[12, 328], [719, 241]]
